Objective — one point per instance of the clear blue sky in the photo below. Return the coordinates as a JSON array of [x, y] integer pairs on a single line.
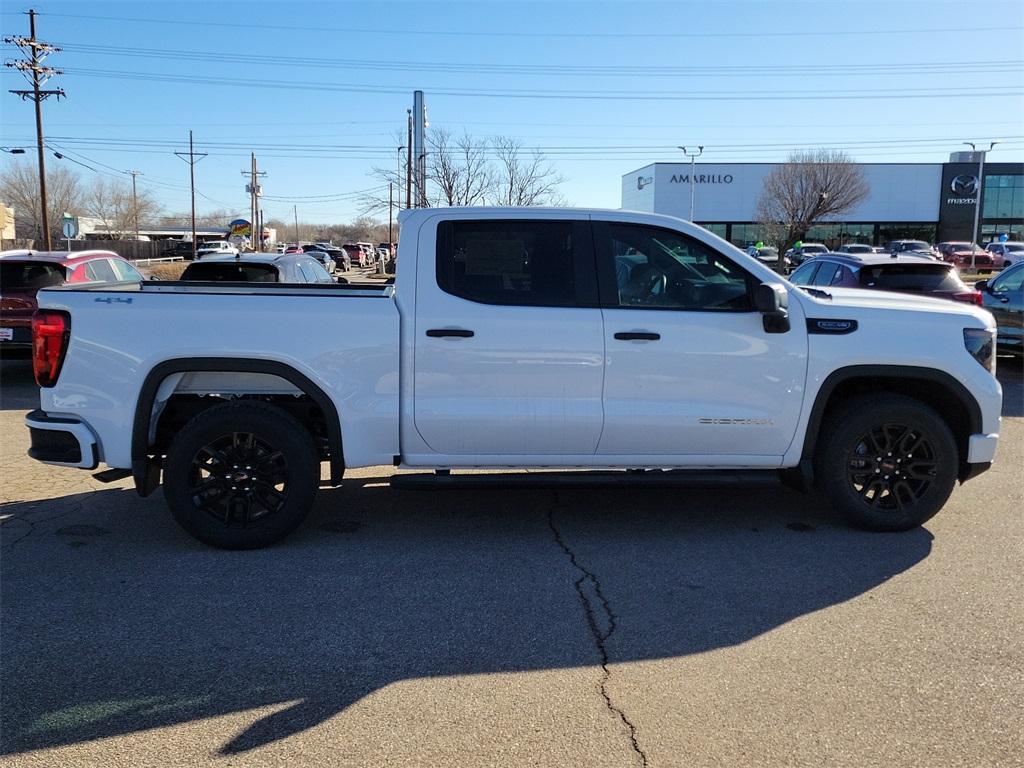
[[716, 73]]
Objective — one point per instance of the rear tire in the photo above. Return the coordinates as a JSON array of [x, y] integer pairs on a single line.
[[886, 462], [241, 475]]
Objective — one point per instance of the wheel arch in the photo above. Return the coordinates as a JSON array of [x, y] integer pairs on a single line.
[[146, 469], [938, 389]]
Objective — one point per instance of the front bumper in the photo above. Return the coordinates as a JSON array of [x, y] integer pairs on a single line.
[[981, 450], [60, 440]]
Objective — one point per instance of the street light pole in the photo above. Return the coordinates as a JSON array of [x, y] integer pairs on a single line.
[[977, 196], [693, 167]]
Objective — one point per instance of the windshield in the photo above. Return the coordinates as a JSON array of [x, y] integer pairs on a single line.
[[915, 245], [814, 249], [911, 277], [29, 276], [230, 272], [963, 247], [858, 249]]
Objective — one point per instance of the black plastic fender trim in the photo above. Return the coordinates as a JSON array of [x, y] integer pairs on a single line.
[[143, 465]]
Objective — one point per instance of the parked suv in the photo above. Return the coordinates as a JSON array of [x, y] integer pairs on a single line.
[[23, 273], [805, 251], [1007, 253], [913, 273], [215, 246], [259, 268], [966, 255], [911, 246]]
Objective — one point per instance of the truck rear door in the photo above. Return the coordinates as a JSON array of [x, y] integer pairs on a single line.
[[509, 346]]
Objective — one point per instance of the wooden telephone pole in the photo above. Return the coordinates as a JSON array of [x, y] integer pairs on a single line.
[[37, 74]]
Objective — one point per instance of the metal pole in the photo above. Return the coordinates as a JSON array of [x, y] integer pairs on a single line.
[[39, 131], [295, 210], [977, 196], [391, 203], [192, 183], [693, 169], [408, 164]]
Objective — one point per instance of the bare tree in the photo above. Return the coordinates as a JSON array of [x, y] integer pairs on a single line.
[[460, 171], [110, 200], [809, 187], [19, 188], [523, 178]]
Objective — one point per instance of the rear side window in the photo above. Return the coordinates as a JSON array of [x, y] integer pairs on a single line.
[[26, 276], [911, 277], [230, 273], [100, 271], [527, 263], [826, 273]]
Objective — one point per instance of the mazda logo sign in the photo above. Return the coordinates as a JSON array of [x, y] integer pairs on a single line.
[[964, 184]]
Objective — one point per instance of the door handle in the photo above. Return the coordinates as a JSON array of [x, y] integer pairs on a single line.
[[637, 336], [455, 333]]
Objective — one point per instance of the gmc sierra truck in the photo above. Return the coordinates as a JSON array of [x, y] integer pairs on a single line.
[[517, 338]]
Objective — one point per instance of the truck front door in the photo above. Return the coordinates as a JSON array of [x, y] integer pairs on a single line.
[[509, 348], [691, 370]]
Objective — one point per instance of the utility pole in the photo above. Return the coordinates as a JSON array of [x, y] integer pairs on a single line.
[[419, 109], [37, 75], [135, 201], [977, 195], [693, 168], [398, 178], [295, 210], [192, 155], [408, 163], [255, 190], [391, 205]]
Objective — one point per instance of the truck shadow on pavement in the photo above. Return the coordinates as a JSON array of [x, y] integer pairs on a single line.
[[114, 621]]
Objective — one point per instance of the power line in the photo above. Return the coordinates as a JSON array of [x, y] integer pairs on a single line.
[[803, 95], [617, 35], [746, 71]]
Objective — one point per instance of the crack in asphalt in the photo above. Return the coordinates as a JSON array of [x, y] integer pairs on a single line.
[[600, 635]]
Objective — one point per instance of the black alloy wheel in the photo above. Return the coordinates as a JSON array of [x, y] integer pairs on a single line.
[[241, 475]]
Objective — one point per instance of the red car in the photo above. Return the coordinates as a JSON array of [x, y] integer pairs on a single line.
[[959, 253], [23, 273]]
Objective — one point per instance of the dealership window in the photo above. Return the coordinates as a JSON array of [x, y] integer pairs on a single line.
[[913, 230], [748, 234], [716, 229], [991, 232], [1003, 197]]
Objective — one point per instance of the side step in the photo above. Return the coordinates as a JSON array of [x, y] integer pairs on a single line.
[[685, 478]]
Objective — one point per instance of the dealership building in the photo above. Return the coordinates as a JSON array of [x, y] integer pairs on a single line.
[[924, 201]]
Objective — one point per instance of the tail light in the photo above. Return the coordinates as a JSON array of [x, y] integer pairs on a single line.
[[51, 332], [971, 297]]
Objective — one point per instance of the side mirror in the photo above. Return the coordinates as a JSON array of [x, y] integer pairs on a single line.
[[772, 301], [982, 285]]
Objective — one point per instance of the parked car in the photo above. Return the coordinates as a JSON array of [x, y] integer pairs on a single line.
[[182, 248], [215, 247], [23, 273], [805, 251], [1009, 253], [911, 246], [320, 253], [342, 260], [258, 268], [370, 251], [1003, 296], [770, 257], [913, 273], [856, 248], [356, 254], [506, 341], [964, 255]]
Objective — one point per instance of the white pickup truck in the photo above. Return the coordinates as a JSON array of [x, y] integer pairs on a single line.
[[517, 338]]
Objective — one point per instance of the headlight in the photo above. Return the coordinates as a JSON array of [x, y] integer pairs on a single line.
[[981, 343]]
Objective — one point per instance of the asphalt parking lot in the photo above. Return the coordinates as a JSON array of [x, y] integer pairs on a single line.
[[577, 628]]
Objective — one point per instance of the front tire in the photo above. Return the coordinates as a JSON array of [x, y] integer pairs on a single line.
[[886, 462], [241, 475]]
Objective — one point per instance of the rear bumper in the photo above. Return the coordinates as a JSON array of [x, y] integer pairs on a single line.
[[63, 441]]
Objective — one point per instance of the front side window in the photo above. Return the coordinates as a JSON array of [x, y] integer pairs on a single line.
[[826, 274], [125, 272], [805, 273], [1011, 281], [525, 263], [660, 268], [318, 273]]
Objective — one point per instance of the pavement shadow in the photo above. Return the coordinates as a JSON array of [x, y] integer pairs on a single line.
[[18, 390], [114, 621]]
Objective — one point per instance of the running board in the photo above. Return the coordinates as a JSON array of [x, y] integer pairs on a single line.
[[685, 478]]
